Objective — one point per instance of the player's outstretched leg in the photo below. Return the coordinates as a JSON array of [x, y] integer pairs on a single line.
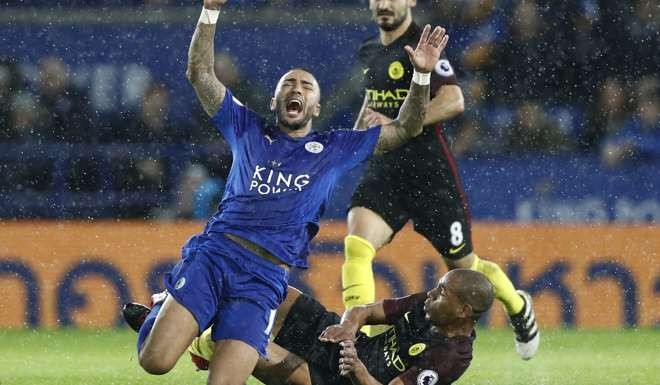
[[358, 286], [518, 305], [368, 232], [528, 336], [135, 314]]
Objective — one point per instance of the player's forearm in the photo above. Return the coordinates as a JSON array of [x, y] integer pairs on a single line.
[[200, 71], [372, 314], [410, 121], [447, 104], [200, 53], [413, 110]]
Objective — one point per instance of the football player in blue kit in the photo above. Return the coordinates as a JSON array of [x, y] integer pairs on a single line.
[[234, 274]]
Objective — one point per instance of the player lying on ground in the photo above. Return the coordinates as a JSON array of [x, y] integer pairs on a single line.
[[430, 342]]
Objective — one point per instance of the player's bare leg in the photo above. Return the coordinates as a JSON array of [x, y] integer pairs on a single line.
[[231, 363], [517, 303], [201, 349], [368, 232], [174, 329], [282, 367]]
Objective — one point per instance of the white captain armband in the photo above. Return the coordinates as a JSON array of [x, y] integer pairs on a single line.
[[209, 16]]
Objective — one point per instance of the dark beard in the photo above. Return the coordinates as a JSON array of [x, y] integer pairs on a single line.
[[293, 127], [396, 23], [281, 121]]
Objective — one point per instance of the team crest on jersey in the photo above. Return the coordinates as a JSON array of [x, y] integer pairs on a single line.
[[314, 147], [416, 349], [396, 70], [443, 68], [427, 377], [180, 283]]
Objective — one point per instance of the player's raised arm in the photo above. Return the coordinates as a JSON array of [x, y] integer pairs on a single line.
[[200, 73], [410, 121]]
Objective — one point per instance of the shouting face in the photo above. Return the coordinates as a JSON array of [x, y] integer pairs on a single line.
[[296, 100]]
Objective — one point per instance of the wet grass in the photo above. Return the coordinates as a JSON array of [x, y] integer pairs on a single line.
[[76, 357]]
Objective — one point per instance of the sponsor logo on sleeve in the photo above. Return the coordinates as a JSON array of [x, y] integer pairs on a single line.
[[443, 68], [427, 377]]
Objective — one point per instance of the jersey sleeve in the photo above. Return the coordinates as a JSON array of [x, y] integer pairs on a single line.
[[395, 308], [355, 146], [233, 119], [443, 74]]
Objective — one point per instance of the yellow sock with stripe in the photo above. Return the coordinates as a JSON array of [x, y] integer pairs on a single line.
[[502, 285], [357, 277]]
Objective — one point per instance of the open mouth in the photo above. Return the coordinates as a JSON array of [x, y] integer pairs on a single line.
[[294, 107]]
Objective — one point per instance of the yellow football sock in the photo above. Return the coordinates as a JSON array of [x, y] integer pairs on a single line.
[[203, 346], [357, 277], [502, 285]]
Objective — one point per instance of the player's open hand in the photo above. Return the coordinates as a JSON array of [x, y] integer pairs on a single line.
[[214, 4], [429, 48], [341, 332]]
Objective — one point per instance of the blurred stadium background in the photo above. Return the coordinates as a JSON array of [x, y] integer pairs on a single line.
[[107, 165]]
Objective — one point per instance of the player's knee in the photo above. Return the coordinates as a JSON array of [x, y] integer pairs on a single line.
[[358, 249], [369, 226], [467, 262], [481, 265], [155, 363]]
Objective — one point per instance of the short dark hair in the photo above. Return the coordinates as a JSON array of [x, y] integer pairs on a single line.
[[474, 289]]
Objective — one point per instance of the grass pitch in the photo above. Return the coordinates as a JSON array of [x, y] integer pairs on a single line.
[[81, 357]]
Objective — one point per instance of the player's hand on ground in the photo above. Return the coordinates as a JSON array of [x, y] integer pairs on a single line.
[[337, 333], [349, 363], [214, 4], [427, 53], [374, 118]]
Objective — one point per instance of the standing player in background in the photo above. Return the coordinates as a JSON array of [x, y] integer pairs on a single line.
[[417, 181], [234, 274]]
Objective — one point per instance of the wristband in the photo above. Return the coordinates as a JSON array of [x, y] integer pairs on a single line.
[[209, 16], [423, 79]]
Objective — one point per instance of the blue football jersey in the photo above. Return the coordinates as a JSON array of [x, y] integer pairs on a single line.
[[278, 186]]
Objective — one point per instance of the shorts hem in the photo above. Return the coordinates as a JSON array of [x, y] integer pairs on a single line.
[[180, 301]]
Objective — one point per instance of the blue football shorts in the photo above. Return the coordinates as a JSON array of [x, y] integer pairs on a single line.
[[224, 285]]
